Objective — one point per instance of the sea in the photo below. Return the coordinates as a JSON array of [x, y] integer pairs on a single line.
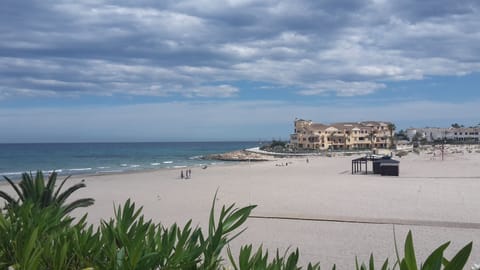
[[106, 158]]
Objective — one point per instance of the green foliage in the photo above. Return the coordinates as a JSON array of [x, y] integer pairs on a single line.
[[218, 232], [435, 261], [40, 238], [275, 146], [43, 194], [401, 153], [391, 127], [259, 260], [33, 237], [134, 243], [401, 135]]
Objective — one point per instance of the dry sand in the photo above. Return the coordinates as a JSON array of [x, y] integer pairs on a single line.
[[319, 207]]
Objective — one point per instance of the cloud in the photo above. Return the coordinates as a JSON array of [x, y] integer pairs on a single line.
[[343, 88], [188, 48]]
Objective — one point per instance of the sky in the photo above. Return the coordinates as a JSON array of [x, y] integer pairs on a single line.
[[206, 70]]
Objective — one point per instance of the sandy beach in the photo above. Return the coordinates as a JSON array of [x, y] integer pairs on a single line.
[[319, 207]]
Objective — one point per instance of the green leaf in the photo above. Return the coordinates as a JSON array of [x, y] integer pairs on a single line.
[[232, 260], [19, 193], [120, 258], [211, 223], [460, 259], [385, 265], [410, 259], [434, 261], [237, 218]]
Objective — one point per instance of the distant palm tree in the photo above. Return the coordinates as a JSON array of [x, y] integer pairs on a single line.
[[391, 127], [371, 136], [345, 136], [41, 195], [330, 139]]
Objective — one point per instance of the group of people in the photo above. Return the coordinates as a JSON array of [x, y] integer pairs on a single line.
[[187, 175]]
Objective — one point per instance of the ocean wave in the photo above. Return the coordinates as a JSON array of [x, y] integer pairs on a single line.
[[102, 167], [196, 157], [167, 162], [216, 163], [179, 166], [80, 169], [110, 171], [51, 171], [11, 173], [134, 166], [155, 164], [124, 165]]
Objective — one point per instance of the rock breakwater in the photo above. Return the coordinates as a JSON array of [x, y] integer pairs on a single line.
[[240, 155]]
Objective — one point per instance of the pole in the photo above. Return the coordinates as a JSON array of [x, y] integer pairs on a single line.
[[443, 143]]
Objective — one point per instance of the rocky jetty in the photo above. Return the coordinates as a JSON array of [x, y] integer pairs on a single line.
[[240, 155]]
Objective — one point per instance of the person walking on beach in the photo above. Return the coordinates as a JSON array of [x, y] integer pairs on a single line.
[[181, 174]]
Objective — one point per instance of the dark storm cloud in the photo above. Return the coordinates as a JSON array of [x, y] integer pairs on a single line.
[[192, 48], [423, 10]]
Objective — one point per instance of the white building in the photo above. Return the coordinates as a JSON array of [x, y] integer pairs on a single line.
[[470, 134]]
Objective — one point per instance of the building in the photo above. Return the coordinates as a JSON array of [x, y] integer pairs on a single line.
[[341, 136], [460, 135]]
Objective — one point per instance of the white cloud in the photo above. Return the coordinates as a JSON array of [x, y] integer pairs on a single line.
[[215, 91], [343, 88], [163, 47]]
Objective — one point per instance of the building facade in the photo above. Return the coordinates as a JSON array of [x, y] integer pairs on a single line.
[[341, 136], [461, 135]]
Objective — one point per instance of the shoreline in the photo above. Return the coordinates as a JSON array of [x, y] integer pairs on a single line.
[[426, 150], [3, 182]]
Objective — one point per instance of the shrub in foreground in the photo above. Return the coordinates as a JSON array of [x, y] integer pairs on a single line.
[[43, 194], [44, 238]]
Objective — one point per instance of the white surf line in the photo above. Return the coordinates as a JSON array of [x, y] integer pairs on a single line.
[[379, 221]]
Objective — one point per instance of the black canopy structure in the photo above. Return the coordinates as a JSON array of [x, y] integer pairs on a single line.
[[359, 163], [382, 165]]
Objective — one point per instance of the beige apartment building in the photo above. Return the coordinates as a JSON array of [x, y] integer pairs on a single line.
[[341, 136]]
